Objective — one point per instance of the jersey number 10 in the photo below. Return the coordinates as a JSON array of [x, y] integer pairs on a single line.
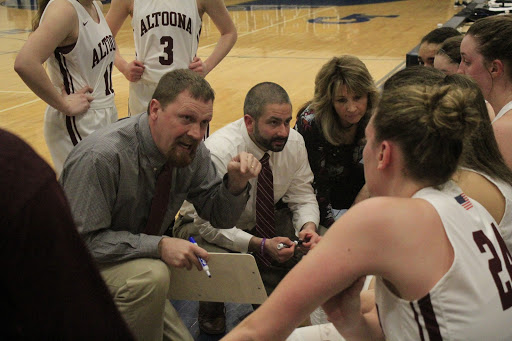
[[108, 79]]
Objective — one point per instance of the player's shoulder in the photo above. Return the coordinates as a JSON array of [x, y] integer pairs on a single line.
[[61, 5], [63, 9], [395, 213], [504, 122]]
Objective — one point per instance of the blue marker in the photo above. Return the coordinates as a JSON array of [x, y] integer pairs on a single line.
[[203, 263]]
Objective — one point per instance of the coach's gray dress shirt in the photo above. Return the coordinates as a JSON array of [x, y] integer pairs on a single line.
[[109, 179]]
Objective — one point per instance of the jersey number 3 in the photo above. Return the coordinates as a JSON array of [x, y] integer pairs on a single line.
[[496, 265], [168, 45]]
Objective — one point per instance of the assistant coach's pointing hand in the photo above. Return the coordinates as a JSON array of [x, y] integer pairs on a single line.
[[241, 169]]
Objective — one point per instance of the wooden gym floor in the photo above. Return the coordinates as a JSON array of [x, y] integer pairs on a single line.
[[283, 43]]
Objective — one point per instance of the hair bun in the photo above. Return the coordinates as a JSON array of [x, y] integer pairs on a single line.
[[429, 124], [449, 112]]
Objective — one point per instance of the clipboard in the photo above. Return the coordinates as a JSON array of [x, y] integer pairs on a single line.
[[235, 278]]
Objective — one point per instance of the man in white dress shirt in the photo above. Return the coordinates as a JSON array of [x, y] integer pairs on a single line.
[[264, 129]]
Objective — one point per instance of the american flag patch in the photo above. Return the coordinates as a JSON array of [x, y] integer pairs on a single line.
[[463, 200]]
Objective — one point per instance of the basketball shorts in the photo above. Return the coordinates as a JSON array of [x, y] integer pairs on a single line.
[[140, 96], [63, 132]]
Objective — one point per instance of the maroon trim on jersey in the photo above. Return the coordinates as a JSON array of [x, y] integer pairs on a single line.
[[71, 132], [429, 317], [417, 318], [69, 88], [76, 129], [66, 76], [65, 49], [199, 34]]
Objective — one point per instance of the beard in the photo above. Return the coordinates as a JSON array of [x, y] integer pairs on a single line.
[[275, 144], [180, 157]]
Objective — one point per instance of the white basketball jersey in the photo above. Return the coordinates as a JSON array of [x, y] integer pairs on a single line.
[[88, 62], [505, 225], [166, 35], [473, 300]]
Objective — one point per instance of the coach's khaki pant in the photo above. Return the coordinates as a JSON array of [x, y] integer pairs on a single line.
[[140, 288]]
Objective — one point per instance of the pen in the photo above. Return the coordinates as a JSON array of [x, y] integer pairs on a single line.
[[283, 245], [203, 263]]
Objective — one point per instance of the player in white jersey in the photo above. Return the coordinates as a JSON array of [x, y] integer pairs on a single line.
[[166, 34], [444, 248], [483, 174], [75, 40], [472, 301], [485, 196], [487, 58]]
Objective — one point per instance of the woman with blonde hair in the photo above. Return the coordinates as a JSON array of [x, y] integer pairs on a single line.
[[428, 244], [333, 125]]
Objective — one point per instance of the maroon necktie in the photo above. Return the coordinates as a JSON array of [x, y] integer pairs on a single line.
[[160, 201], [265, 223]]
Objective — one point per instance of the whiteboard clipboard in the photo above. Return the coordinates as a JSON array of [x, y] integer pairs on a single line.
[[235, 278]]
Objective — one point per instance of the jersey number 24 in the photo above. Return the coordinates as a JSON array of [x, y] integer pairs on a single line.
[[496, 264]]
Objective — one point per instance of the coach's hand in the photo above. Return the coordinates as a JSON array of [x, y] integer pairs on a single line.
[[181, 253], [241, 169]]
